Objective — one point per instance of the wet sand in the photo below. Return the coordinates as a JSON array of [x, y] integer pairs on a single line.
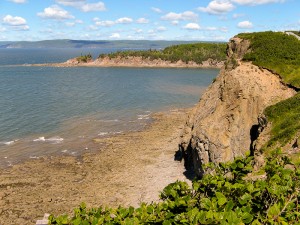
[[128, 169]]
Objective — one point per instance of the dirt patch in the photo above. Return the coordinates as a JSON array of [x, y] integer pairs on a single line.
[[131, 168]]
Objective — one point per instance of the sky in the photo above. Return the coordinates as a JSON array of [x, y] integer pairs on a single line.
[[201, 20]]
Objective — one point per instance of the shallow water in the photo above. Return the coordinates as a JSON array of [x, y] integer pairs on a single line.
[[47, 110]]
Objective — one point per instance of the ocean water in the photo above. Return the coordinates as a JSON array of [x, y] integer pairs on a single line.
[[48, 111]]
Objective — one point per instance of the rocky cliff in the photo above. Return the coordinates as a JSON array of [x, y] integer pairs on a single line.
[[224, 124], [136, 61]]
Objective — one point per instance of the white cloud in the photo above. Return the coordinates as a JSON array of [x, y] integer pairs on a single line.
[[2, 29], [175, 22], [256, 2], [187, 15], [142, 20], [192, 26], [105, 23], [83, 5], [224, 29], [115, 36], [109, 23], [74, 3], [20, 28], [211, 28], [79, 21], [92, 28], [236, 15], [138, 31], [218, 7], [124, 20], [15, 23], [72, 24], [161, 28], [157, 10], [55, 12], [14, 20], [245, 25], [99, 6], [18, 1]]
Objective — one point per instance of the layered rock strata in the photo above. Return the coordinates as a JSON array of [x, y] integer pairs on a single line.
[[136, 62], [224, 124]]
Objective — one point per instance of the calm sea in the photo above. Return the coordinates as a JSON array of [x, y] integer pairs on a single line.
[[49, 111]]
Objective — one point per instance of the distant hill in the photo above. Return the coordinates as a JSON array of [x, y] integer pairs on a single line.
[[105, 44]]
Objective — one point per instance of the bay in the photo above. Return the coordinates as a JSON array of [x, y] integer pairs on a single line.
[[47, 110]]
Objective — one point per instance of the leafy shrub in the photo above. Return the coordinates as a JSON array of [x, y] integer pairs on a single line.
[[84, 58], [228, 196]]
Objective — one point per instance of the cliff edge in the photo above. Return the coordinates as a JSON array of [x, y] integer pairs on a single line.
[[224, 124]]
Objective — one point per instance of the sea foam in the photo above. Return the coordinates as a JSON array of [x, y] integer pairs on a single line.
[[54, 140]]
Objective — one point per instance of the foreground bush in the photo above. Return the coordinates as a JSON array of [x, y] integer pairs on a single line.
[[231, 194]]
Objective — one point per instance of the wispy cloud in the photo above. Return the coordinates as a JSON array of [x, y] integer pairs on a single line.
[[187, 15], [115, 36], [55, 12], [124, 20], [142, 20], [256, 2], [192, 26], [157, 10], [83, 5], [18, 1], [245, 25], [218, 7], [236, 15]]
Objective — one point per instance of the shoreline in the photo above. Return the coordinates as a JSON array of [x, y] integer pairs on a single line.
[[127, 169]]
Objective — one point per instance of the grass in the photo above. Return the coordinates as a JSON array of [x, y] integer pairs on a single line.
[[197, 52], [285, 119], [277, 52]]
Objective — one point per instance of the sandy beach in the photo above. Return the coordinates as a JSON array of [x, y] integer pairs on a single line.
[[128, 169]]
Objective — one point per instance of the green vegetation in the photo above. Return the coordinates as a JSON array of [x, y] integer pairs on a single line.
[[275, 51], [84, 58], [285, 118], [228, 196], [197, 52]]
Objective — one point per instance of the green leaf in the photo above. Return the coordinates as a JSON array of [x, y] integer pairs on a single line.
[[247, 217], [245, 199], [229, 206], [221, 198], [273, 211], [206, 203]]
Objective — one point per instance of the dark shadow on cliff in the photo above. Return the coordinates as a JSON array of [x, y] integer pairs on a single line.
[[253, 135], [180, 155]]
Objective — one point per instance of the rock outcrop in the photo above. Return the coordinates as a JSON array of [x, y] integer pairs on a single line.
[[224, 124], [136, 61]]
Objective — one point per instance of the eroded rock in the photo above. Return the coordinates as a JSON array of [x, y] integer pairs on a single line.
[[224, 123]]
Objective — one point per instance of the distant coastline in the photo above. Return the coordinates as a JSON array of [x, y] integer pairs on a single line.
[[196, 55]]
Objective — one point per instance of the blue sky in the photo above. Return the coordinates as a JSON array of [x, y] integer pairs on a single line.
[[207, 20]]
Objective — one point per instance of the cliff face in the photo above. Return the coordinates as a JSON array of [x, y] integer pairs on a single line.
[[224, 124], [141, 62], [137, 61]]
